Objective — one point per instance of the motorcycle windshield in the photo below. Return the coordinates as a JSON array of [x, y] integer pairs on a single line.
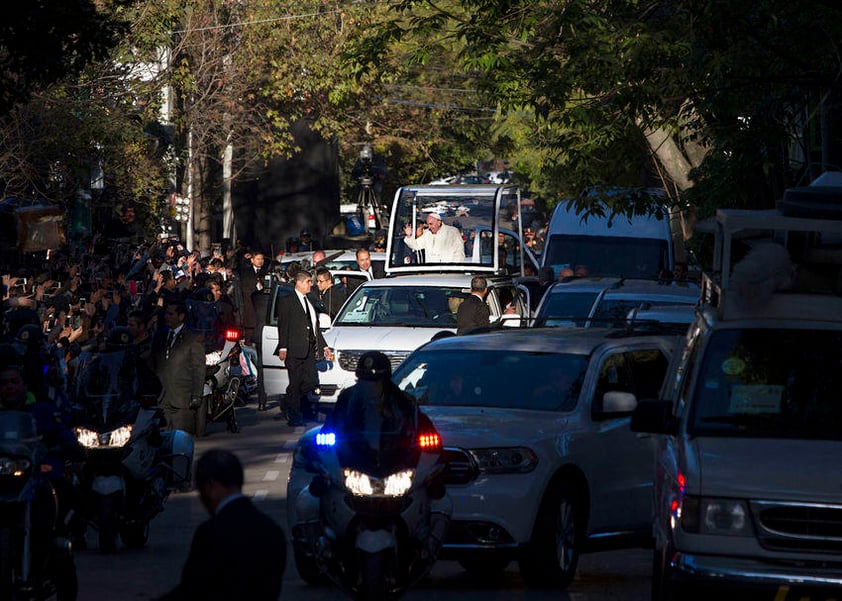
[[17, 433], [377, 452], [106, 388]]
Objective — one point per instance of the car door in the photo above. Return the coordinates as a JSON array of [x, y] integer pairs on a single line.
[[621, 461]]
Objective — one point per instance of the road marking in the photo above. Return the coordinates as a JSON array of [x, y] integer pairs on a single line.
[[260, 495], [282, 458], [271, 476]]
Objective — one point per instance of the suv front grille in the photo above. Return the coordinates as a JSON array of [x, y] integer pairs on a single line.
[[809, 527], [461, 468], [348, 359]]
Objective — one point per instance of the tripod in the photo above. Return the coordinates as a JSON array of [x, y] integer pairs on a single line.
[[368, 203]]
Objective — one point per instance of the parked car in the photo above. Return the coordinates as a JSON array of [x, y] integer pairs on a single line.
[[542, 465], [397, 315], [606, 301], [747, 490]]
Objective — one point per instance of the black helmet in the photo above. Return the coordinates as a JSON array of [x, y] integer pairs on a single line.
[[374, 365], [119, 338], [28, 339]]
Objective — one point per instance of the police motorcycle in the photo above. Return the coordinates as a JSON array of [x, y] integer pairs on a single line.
[[224, 378], [372, 521], [35, 562], [132, 463]]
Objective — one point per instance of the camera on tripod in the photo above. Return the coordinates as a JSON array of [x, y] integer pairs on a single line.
[[366, 175]]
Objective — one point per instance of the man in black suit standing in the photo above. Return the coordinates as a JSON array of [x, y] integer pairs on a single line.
[[474, 312], [300, 343], [240, 552], [178, 358], [251, 282]]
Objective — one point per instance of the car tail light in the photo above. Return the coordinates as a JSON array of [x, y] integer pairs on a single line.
[[429, 441]]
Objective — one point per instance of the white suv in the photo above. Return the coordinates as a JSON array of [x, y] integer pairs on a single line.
[[397, 315]]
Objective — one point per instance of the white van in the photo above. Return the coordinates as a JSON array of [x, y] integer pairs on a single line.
[[610, 246]]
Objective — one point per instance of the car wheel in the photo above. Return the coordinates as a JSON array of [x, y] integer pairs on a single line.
[[552, 554]]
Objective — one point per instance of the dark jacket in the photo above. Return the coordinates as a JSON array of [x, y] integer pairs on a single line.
[[238, 554], [332, 299], [248, 279], [293, 328], [182, 375], [473, 313]]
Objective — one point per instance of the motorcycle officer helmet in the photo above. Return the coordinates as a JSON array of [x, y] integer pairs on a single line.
[[374, 365], [118, 339]]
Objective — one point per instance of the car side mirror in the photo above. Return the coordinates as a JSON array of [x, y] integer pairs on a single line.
[[324, 321], [617, 401], [654, 416]]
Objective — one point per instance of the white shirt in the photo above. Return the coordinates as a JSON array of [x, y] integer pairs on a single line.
[[446, 246]]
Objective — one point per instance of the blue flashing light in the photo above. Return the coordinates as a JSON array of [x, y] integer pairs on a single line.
[[325, 439]]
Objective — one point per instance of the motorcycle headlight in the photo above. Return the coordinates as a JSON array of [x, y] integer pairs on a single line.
[[727, 517], [14, 466], [506, 460], [115, 438], [358, 483], [395, 485], [213, 358], [398, 484]]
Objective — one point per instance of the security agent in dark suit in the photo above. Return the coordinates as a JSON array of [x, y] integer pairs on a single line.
[[240, 552], [300, 343], [331, 296], [251, 282], [178, 358], [474, 312]]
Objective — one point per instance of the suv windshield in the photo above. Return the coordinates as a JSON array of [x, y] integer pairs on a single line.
[[770, 383], [416, 306], [608, 255], [493, 378]]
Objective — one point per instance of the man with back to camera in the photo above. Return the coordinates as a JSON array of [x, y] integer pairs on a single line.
[[440, 242], [239, 552], [299, 342], [474, 313]]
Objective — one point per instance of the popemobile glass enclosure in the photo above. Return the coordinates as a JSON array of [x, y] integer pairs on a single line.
[[487, 218]]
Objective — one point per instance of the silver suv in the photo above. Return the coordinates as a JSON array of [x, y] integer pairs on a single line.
[[747, 490], [542, 465]]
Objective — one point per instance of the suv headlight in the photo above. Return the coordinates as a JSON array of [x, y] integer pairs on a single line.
[[726, 517], [505, 460]]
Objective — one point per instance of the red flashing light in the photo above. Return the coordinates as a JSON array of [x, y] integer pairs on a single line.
[[682, 482], [232, 334], [429, 440]]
